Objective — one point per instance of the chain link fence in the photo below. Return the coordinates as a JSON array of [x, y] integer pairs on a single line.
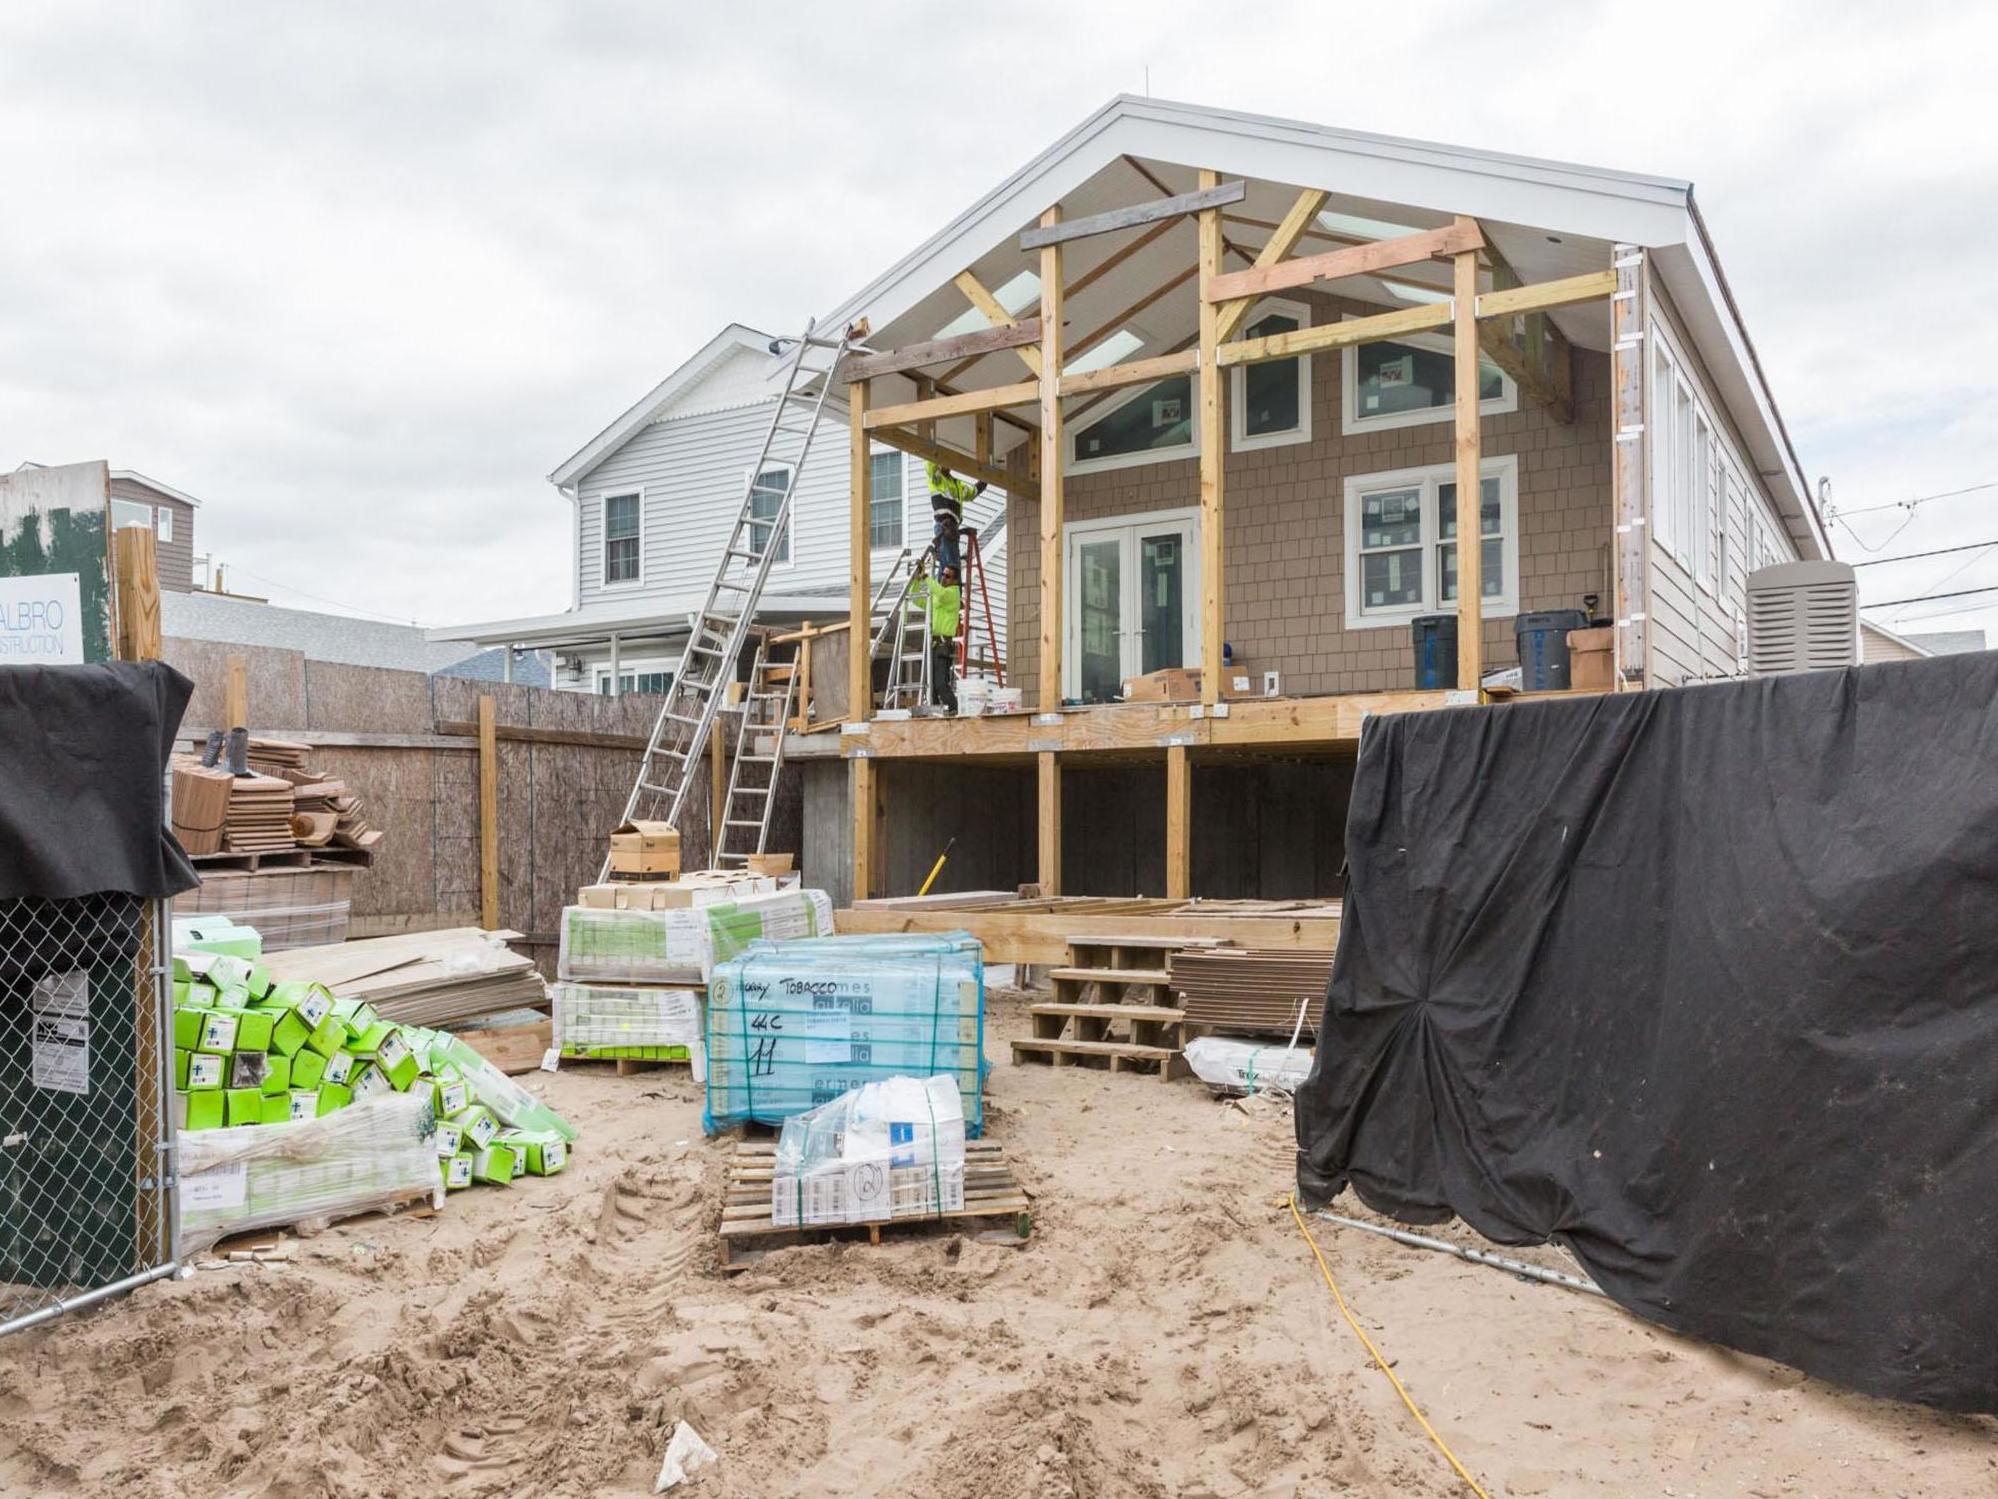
[[86, 1057]]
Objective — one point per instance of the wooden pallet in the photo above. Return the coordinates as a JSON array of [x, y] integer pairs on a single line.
[[352, 858], [993, 1199], [626, 1066], [1112, 1009], [288, 858]]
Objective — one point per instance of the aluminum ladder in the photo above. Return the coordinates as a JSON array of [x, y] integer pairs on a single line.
[[714, 643], [751, 797]]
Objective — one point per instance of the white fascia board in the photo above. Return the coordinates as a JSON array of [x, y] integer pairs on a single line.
[[655, 616], [133, 476]]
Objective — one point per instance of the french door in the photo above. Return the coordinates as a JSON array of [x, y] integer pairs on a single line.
[[1132, 600]]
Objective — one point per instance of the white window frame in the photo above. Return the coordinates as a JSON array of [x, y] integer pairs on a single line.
[[131, 511], [1188, 449], [635, 668], [163, 524], [1238, 401], [1351, 421], [1706, 470], [1504, 468], [880, 450], [1072, 537], [789, 536], [604, 538]]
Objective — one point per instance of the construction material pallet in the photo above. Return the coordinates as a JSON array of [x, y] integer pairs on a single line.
[[993, 1199], [284, 858], [1112, 1009], [626, 1066], [333, 853]]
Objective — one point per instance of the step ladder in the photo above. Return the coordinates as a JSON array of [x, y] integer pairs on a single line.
[[752, 778], [907, 629], [714, 644]]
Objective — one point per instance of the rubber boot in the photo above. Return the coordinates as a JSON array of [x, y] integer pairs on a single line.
[[239, 752], [212, 750]]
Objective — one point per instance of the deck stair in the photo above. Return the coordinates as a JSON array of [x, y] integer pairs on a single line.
[[1112, 1009]]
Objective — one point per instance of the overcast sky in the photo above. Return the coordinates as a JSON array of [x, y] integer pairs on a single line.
[[359, 275]]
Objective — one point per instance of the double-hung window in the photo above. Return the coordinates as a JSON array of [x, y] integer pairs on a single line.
[[766, 499], [1408, 381], [1270, 404], [1401, 543], [885, 483], [623, 543]]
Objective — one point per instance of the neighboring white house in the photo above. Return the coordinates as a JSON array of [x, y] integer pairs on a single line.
[[652, 497]]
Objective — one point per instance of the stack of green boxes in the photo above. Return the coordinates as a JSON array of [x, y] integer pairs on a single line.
[[251, 1050]]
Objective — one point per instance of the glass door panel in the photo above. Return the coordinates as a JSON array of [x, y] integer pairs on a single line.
[[1161, 600], [1100, 617]]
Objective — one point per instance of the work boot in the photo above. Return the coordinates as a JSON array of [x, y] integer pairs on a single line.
[[239, 752], [212, 750]]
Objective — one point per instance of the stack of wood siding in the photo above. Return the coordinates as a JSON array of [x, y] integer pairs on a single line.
[[284, 804], [1256, 991], [423, 978], [259, 816]]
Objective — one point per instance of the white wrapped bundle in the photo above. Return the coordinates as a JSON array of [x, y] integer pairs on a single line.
[[891, 1149], [609, 1020], [682, 946], [1245, 1066]]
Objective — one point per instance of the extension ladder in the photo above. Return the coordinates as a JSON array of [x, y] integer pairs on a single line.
[[714, 644], [752, 778]]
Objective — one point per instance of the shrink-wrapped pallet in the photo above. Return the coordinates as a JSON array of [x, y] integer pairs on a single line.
[[607, 1020], [1246, 1066], [682, 946], [890, 1149]]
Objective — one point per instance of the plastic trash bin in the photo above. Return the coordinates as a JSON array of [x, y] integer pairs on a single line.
[[1542, 639], [1435, 650]]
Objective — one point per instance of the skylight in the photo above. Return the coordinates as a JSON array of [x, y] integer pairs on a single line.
[[1356, 227], [1409, 291], [1016, 296], [1109, 352]]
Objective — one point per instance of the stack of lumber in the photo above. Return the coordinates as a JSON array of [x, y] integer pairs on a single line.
[[1251, 989], [422, 978], [320, 811], [259, 817]]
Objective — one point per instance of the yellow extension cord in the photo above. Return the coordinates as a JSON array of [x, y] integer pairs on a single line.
[[1380, 1359]]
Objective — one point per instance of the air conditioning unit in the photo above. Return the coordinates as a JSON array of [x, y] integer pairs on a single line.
[[1802, 616]]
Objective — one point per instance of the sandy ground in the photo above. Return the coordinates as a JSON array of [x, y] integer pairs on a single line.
[[1164, 1332]]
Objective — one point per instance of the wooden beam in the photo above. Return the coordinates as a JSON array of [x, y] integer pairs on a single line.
[[1111, 261], [717, 782], [862, 793], [1356, 260], [1528, 346], [1059, 232], [236, 696], [1317, 340], [1137, 372], [1470, 486], [951, 458], [1213, 445], [136, 565], [962, 404], [942, 350], [1630, 436], [1280, 243], [1048, 833], [1545, 295], [997, 315], [489, 851], [1052, 299], [1179, 823], [860, 597], [1110, 325]]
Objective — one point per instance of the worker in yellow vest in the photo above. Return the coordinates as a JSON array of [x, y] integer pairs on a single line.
[[948, 497], [942, 597]]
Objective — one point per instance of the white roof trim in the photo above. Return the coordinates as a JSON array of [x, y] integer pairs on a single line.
[[613, 437], [650, 617], [133, 476]]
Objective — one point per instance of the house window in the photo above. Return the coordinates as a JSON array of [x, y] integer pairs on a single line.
[[1271, 403], [163, 524], [1401, 543], [126, 513], [884, 499], [622, 543], [766, 499], [1404, 382], [1153, 423], [634, 679], [1706, 481]]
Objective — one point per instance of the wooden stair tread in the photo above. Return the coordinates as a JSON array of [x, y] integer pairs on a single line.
[[1098, 1049], [1113, 975], [1110, 1011]]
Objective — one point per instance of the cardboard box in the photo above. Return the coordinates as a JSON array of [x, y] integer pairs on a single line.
[[332, 1096], [203, 1110], [277, 1074], [246, 1070], [205, 1071], [1589, 667], [645, 848], [772, 864], [307, 1068], [477, 1125], [495, 1164], [1173, 684], [457, 1173], [245, 1105], [702, 887]]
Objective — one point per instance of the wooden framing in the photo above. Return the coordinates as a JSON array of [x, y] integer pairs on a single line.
[[1531, 350], [1629, 442], [1318, 340], [997, 315], [1212, 457], [974, 345], [902, 439], [1038, 931], [860, 598], [1212, 196], [963, 403], [136, 567], [1283, 239], [489, 850], [1179, 823], [1545, 296], [1137, 372], [1051, 469], [236, 695], [1356, 260], [862, 790], [1047, 834], [1470, 480]]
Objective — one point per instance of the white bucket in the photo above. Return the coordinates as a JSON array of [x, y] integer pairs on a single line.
[[973, 694], [1003, 700]]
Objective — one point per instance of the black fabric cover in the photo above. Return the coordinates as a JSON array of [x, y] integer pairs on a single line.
[[1702, 984], [83, 753]]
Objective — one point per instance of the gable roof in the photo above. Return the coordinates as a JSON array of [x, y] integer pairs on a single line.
[[1548, 218], [709, 358]]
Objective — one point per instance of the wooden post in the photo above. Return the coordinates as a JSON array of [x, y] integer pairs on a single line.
[[236, 698], [860, 601], [1470, 490], [1628, 467], [718, 781], [1051, 491], [1050, 823], [860, 789], [489, 855], [137, 568], [1179, 823], [1213, 448]]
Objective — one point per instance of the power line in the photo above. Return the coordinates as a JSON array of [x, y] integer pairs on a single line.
[[237, 568], [1921, 499], [1968, 546], [1924, 598]]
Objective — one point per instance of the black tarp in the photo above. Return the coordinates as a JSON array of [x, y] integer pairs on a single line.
[[1703, 984], [83, 752]]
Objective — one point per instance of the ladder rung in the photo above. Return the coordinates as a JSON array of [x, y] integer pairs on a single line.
[[737, 822], [752, 791]]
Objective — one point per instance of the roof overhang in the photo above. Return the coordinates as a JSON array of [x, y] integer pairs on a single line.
[[133, 476], [652, 619]]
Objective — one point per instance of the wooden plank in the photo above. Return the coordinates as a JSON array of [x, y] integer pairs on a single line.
[[236, 696], [1009, 334], [1052, 302], [453, 730], [1179, 823], [1048, 838], [961, 404], [136, 567], [860, 600], [1470, 488], [1044, 937], [489, 852], [1317, 340], [1545, 295], [902, 439], [861, 794], [1629, 439], [1356, 260], [1055, 231], [1213, 538], [1303, 213], [1137, 372], [1528, 347], [997, 315]]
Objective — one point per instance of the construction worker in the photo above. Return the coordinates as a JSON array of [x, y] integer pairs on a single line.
[[941, 597], [948, 497]]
